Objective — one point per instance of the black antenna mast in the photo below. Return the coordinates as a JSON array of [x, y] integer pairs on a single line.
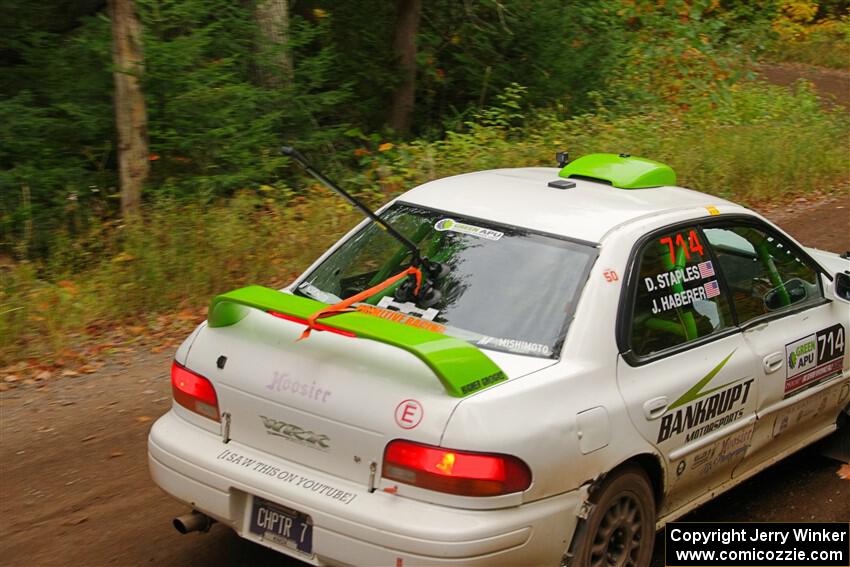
[[302, 161]]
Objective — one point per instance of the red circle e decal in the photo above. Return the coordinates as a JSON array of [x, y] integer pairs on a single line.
[[408, 414]]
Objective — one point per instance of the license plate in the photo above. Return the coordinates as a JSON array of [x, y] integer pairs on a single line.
[[282, 525]]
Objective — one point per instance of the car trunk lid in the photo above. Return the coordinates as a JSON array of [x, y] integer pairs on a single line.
[[332, 401]]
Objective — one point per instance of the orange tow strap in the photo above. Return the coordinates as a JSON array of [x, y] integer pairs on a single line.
[[345, 305]]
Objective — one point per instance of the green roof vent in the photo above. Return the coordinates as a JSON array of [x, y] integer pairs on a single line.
[[623, 171]]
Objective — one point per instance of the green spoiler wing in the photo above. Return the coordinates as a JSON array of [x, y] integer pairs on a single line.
[[460, 366]]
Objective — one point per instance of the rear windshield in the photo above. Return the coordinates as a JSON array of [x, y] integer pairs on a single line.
[[506, 288]]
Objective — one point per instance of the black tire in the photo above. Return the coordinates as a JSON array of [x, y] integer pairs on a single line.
[[620, 531]]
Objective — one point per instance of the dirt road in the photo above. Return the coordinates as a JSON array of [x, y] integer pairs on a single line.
[[832, 85], [76, 490]]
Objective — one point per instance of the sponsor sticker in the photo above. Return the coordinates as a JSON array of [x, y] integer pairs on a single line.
[[399, 317], [515, 345], [464, 228], [408, 308], [805, 410], [706, 414], [722, 453], [813, 359], [282, 382], [476, 385], [701, 410]]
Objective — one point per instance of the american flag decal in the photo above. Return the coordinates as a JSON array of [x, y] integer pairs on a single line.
[[706, 269], [711, 289]]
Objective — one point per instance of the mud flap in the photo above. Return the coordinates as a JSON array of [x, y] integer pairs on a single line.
[[583, 513]]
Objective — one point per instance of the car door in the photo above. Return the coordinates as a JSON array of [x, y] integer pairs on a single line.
[[685, 372], [790, 328]]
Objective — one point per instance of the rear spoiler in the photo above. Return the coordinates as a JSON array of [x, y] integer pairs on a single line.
[[460, 366]]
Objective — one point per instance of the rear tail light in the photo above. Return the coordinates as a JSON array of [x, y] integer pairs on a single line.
[[454, 472], [194, 392]]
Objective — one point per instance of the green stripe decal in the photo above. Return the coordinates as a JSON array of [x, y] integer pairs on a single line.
[[696, 390], [461, 367]]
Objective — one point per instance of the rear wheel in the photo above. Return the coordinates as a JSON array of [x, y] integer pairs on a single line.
[[620, 532]]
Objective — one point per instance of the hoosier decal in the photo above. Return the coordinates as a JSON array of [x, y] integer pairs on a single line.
[[813, 359]]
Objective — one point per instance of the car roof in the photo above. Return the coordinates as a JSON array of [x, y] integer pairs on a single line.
[[521, 197]]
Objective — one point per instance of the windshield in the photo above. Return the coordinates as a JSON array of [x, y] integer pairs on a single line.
[[506, 288]]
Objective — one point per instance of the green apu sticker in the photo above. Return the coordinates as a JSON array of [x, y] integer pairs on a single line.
[[452, 225]]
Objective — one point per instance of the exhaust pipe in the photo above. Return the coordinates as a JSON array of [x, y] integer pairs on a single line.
[[194, 522]]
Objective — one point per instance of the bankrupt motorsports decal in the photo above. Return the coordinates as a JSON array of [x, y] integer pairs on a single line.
[[698, 411], [813, 359]]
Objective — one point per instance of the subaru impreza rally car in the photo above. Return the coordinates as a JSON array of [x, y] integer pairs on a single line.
[[531, 366]]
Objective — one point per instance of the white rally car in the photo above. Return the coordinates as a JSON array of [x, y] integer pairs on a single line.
[[566, 360]]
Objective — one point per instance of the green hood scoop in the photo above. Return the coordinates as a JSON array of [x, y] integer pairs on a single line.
[[622, 171], [461, 367]]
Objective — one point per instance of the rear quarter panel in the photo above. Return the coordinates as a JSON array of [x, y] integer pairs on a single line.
[[535, 417]]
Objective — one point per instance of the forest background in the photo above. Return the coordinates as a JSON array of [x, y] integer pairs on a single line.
[[140, 171]]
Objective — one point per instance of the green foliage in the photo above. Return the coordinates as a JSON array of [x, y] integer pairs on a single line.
[[825, 43], [560, 51], [55, 123], [499, 84], [681, 53], [179, 257], [214, 126], [811, 32], [748, 148]]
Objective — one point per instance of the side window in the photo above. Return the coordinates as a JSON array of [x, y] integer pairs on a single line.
[[679, 297], [764, 274]]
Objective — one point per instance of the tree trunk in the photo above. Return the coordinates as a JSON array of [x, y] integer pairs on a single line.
[[273, 20], [131, 117], [404, 47]]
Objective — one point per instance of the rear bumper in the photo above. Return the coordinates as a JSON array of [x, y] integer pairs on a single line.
[[351, 525]]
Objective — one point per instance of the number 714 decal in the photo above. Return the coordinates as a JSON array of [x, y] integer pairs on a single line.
[[813, 359], [678, 241]]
